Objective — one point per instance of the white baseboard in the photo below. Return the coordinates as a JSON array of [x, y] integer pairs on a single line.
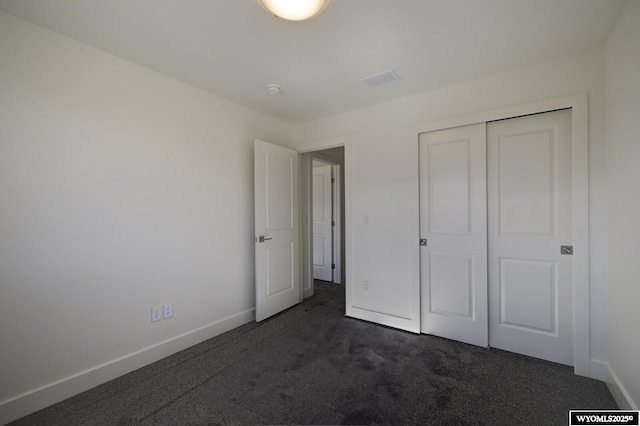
[[598, 370], [620, 394], [37, 399]]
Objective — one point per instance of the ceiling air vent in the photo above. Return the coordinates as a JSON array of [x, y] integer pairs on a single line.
[[382, 78]]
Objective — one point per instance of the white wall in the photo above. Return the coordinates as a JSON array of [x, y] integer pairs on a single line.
[[384, 178], [120, 189], [623, 205]]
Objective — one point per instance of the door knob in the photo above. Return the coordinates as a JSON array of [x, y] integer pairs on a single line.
[[262, 239]]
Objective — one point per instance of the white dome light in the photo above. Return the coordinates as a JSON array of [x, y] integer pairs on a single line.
[[295, 10]]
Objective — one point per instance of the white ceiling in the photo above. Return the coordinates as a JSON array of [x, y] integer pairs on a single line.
[[234, 48]]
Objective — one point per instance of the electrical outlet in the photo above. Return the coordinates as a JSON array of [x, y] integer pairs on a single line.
[[156, 313], [167, 311]]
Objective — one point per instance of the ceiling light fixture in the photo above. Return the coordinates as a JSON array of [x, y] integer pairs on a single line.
[[295, 10]]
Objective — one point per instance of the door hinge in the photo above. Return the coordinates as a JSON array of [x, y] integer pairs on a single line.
[[333, 223], [333, 266], [423, 241], [333, 180]]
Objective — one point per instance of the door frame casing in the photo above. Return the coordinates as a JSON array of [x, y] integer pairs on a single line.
[[580, 146]]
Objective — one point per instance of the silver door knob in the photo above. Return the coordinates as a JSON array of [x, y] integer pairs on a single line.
[[262, 239]]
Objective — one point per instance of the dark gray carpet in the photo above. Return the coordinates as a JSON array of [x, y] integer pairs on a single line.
[[311, 365]]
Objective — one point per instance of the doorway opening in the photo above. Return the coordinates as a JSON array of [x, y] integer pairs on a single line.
[[323, 217]]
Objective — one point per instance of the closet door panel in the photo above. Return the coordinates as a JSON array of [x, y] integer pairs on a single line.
[[530, 217], [453, 264]]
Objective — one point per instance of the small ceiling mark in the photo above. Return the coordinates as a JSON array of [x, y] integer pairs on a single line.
[[274, 89], [381, 78]]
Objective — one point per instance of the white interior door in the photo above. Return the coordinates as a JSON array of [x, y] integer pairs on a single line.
[[453, 220], [322, 223], [276, 227], [530, 218]]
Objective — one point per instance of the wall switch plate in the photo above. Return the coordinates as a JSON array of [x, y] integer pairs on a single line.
[[156, 313], [167, 310]]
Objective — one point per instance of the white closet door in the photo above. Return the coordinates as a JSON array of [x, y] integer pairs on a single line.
[[453, 220], [530, 218]]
